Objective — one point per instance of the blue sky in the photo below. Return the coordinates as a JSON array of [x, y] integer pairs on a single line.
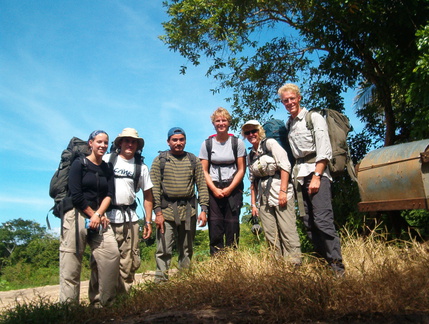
[[70, 67]]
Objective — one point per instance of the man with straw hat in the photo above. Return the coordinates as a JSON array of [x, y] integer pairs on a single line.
[[131, 175]]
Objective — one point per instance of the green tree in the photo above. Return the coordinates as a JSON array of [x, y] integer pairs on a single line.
[[18, 232], [326, 46]]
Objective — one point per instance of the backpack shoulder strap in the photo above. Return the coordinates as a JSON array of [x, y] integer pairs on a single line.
[[234, 143], [137, 170], [209, 145], [309, 122], [264, 146], [264, 149], [193, 160], [84, 163], [113, 158], [162, 160]]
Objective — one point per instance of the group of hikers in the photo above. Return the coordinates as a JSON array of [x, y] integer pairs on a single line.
[[103, 189]]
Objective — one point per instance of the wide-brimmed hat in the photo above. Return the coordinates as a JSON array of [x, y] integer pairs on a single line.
[[130, 132]]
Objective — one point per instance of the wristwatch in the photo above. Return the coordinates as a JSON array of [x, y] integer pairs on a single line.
[[317, 174]]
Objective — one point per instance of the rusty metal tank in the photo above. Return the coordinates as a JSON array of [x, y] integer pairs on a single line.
[[395, 177]]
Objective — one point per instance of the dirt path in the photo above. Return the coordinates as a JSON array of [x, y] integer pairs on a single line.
[[9, 299]]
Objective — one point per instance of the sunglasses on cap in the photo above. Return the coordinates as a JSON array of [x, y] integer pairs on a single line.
[[253, 131]]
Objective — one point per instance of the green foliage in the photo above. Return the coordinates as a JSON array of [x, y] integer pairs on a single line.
[[419, 220], [326, 46], [18, 232], [45, 310], [40, 252], [23, 275], [201, 245]]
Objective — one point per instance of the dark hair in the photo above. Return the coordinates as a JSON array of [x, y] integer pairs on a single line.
[[95, 133]]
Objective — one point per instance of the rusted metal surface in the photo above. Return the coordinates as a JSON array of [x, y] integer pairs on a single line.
[[395, 177]]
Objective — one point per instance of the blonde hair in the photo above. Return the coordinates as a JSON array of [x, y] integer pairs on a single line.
[[222, 112], [289, 87], [261, 131]]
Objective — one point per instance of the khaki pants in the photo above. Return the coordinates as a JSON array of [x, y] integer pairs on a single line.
[[279, 225], [104, 250], [164, 247], [127, 238]]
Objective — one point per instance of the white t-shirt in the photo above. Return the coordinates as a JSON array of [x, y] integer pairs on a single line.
[[124, 187], [222, 158]]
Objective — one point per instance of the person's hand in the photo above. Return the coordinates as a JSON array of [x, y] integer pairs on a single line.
[[104, 221], [159, 221], [227, 191], [147, 230], [314, 186], [95, 222], [255, 211], [282, 198], [218, 193], [202, 219]]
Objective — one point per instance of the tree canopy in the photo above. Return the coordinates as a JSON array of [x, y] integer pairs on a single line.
[[327, 47]]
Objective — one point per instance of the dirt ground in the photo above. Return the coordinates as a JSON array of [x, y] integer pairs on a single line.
[[9, 299]]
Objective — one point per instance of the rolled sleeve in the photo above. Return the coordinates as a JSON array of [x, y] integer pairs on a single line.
[[279, 155], [321, 137]]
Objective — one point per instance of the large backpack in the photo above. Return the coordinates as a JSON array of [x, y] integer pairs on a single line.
[[276, 128], [58, 188], [338, 129]]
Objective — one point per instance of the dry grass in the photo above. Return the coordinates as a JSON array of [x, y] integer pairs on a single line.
[[382, 278]]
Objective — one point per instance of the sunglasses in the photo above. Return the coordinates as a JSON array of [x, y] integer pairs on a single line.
[[253, 131]]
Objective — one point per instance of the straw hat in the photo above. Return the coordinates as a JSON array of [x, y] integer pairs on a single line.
[[130, 132]]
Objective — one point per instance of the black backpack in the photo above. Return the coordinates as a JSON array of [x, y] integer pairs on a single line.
[[58, 188], [276, 128]]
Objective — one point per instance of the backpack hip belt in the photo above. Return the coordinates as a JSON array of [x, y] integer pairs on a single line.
[[266, 192], [133, 206], [309, 158], [174, 203], [222, 184]]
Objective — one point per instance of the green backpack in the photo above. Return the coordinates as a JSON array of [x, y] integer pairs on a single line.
[[338, 129]]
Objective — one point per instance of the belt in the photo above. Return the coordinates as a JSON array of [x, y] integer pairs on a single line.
[[309, 158], [222, 184]]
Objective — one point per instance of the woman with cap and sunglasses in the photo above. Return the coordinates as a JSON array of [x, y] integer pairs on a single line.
[[223, 159], [91, 186], [272, 191]]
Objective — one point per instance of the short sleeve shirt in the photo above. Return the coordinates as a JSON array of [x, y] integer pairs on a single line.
[[124, 188], [222, 166]]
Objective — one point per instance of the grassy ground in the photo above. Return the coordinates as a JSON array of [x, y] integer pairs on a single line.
[[384, 282]]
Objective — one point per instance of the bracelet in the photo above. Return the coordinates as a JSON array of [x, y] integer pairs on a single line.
[[253, 205], [283, 191]]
